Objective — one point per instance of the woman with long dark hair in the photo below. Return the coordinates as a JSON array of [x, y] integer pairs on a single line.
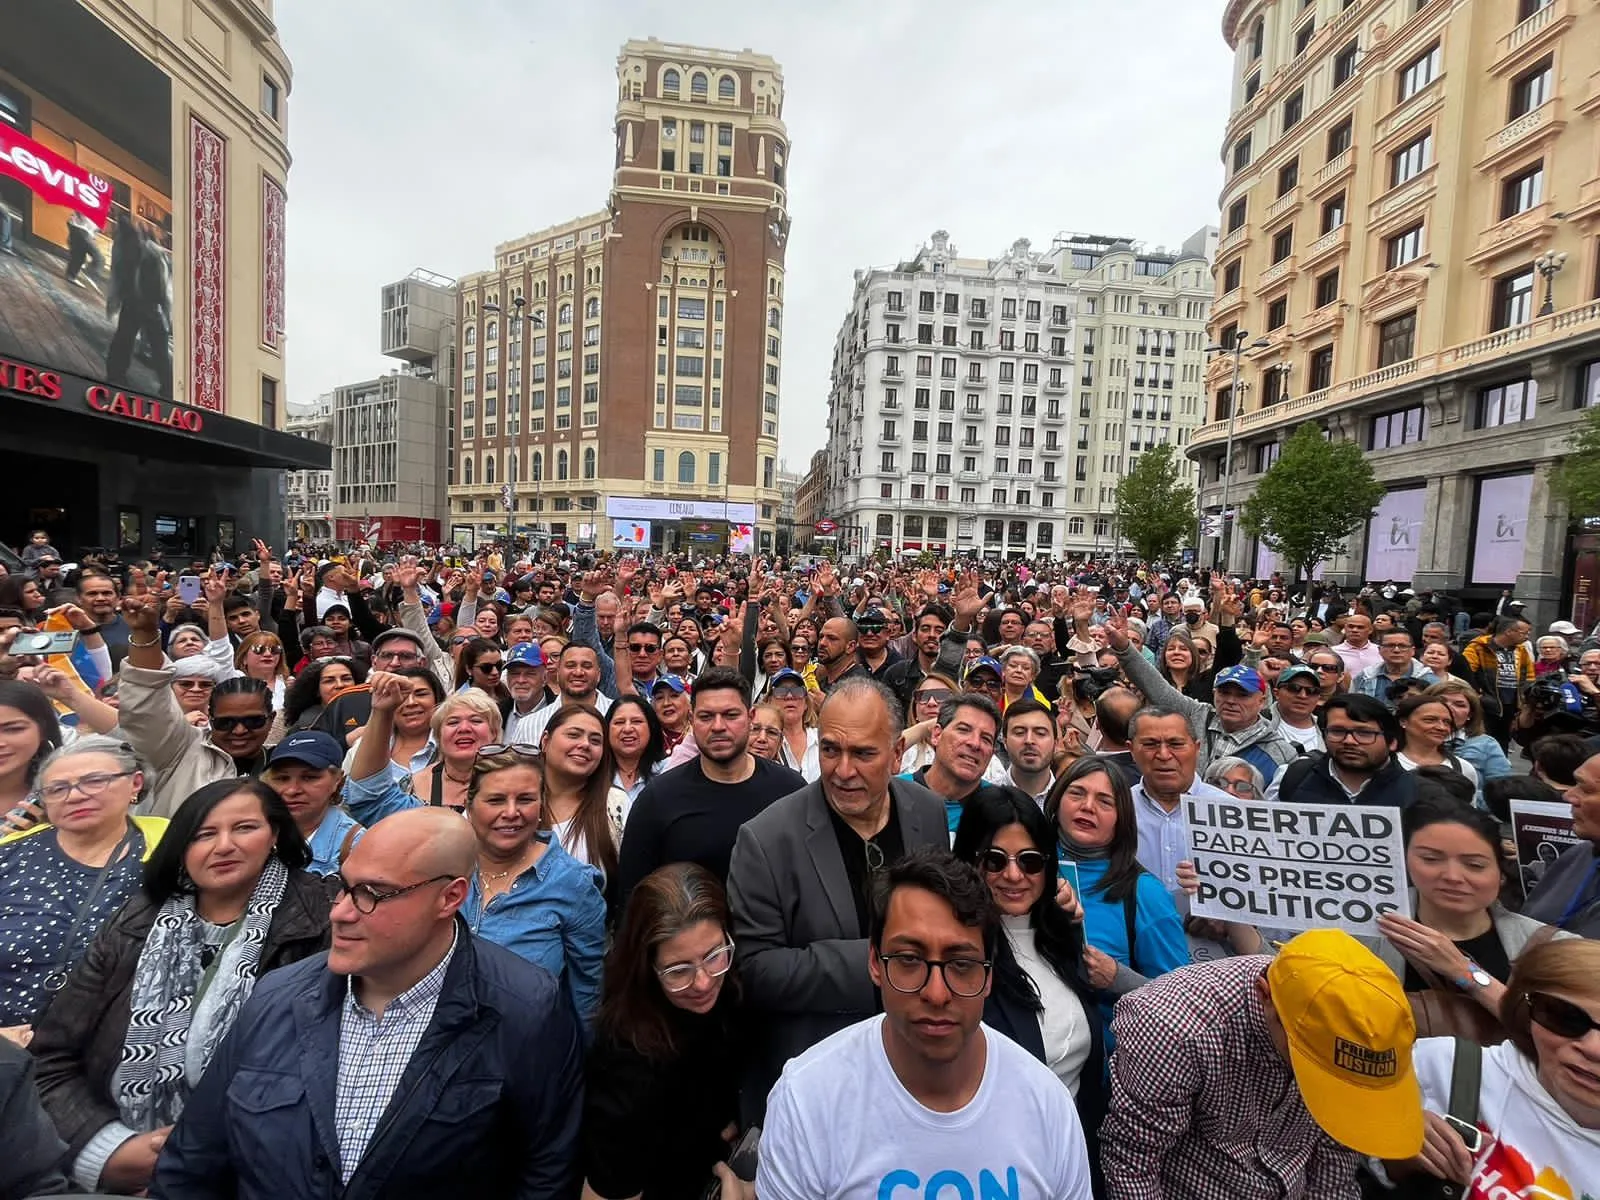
[[225, 899], [482, 665], [315, 687], [1039, 998], [663, 1073], [1131, 924], [582, 807], [29, 732], [637, 747]]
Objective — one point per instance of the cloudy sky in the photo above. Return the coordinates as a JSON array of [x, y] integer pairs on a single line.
[[425, 131]]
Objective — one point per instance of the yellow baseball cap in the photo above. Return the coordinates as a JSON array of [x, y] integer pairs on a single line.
[[1350, 1035]]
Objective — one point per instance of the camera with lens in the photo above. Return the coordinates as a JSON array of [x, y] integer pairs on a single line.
[[1088, 683]]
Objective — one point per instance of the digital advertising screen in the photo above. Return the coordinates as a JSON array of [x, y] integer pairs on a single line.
[[86, 215]]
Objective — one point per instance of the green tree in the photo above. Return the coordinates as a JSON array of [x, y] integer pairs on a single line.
[[1577, 479], [1311, 499], [1154, 510]]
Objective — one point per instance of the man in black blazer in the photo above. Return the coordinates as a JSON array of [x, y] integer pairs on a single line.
[[801, 874]]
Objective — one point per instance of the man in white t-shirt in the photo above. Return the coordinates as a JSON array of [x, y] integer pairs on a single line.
[[923, 1098]]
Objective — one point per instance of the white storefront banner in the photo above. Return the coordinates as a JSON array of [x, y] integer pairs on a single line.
[[643, 508], [1394, 536], [1297, 866], [1502, 528]]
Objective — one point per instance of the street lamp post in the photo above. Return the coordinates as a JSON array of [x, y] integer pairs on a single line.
[[1237, 350], [508, 493], [1549, 265]]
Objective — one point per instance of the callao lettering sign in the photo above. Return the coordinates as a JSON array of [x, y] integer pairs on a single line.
[[111, 402], [58, 180]]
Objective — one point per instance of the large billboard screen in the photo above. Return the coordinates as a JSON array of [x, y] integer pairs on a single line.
[[1394, 536], [86, 218], [1500, 528]]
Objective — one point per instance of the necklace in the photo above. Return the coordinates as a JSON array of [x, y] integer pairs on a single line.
[[493, 874], [453, 779]]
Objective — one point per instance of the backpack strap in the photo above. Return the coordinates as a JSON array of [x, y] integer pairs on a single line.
[[1466, 1078], [1130, 912]]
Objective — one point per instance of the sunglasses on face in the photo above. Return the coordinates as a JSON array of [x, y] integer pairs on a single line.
[[789, 693], [1301, 691], [1561, 1017], [267, 651], [643, 648], [1030, 862], [229, 724], [488, 668], [193, 685], [1329, 669], [934, 697]]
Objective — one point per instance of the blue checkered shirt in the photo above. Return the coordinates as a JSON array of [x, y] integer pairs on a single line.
[[374, 1052]]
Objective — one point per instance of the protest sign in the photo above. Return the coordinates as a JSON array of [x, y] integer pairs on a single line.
[[1542, 829], [1297, 866]]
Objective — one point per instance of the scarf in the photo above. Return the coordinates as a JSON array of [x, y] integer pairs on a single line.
[[166, 1011]]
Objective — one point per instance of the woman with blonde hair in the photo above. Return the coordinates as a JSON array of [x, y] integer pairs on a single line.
[[932, 690], [1470, 742], [261, 656], [462, 725], [1536, 1107], [798, 705]]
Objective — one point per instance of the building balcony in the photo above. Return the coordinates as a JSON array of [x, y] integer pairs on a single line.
[[1532, 36], [1330, 243], [969, 476], [1531, 129], [1335, 169], [893, 375], [1513, 234], [1227, 302], [1285, 203], [1061, 384], [1052, 450], [1407, 196], [1056, 322], [976, 318], [1411, 110], [1580, 320], [1274, 275], [1053, 416], [1234, 240], [892, 439]]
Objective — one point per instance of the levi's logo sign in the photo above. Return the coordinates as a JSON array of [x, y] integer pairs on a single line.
[[58, 180], [1363, 1060]]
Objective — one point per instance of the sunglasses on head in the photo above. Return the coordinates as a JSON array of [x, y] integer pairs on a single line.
[[250, 723], [1030, 862], [1561, 1017]]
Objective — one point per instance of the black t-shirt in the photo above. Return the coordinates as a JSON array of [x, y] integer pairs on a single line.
[[682, 816], [861, 861], [1485, 950]]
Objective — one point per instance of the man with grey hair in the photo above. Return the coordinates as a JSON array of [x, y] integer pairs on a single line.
[[801, 875]]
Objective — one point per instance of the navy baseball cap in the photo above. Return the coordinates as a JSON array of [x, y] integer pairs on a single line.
[[787, 675], [986, 664], [524, 654], [675, 682], [1240, 677], [311, 747]]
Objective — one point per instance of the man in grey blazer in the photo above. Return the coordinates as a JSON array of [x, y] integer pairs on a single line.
[[801, 874]]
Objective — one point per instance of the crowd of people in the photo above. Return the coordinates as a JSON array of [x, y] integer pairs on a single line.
[[521, 875]]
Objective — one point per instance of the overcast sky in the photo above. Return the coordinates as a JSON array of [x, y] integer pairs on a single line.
[[425, 132]]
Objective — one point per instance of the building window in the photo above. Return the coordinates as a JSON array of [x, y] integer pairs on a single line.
[[1344, 63], [726, 88], [271, 97], [1293, 109], [1404, 247], [1303, 36], [1278, 313], [1404, 427], [1328, 288], [658, 465], [1258, 39], [1288, 176], [1266, 455], [1333, 213], [1531, 89], [1340, 138], [686, 467], [269, 403], [1522, 191], [1252, 86], [1237, 212], [1513, 299], [1231, 276], [1507, 404], [1526, 8], [1283, 244], [1241, 153], [1411, 160], [1320, 369], [588, 462], [1589, 384], [669, 84], [1419, 73], [699, 88], [1397, 339]]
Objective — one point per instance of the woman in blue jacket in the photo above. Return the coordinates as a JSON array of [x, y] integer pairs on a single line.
[[1130, 921]]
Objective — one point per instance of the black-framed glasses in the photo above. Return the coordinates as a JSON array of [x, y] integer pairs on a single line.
[[90, 785], [1030, 862], [194, 684], [909, 973], [526, 749], [680, 977], [641, 648], [1561, 1017], [1361, 737], [489, 668], [789, 691], [252, 723], [1301, 691], [938, 696], [985, 684], [366, 898], [1328, 669]]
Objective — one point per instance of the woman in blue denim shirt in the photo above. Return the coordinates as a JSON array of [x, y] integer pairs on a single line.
[[528, 894], [305, 771]]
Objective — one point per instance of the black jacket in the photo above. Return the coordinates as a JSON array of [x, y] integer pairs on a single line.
[[1308, 780], [489, 1105], [78, 1039], [31, 1155]]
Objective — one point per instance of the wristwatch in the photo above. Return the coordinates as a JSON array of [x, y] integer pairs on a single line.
[[1475, 976]]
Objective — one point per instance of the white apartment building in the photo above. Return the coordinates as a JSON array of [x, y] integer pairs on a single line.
[[965, 417], [308, 495]]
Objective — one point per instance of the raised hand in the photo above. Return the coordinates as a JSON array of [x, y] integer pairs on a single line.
[[215, 587], [1116, 627], [263, 551], [140, 614], [928, 584], [627, 569], [1080, 607], [406, 573], [76, 617], [733, 627], [389, 691], [968, 600]]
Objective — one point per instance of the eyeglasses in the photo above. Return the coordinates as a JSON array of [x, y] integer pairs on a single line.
[[1301, 691], [985, 684], [1561, 1017], [909, 973], [366, 898], [194, 685], [488, 668], [1361, 737], [937, 696], [1239, 787], [771, 731], [526, 749], [397, 657], [789, 692], [1328, 669], [681, 976], [267, 651], [229, 724], [643, 648], [1030, 862], [90, 785]]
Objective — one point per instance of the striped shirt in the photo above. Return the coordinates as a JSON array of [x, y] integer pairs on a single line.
[[374, 1052]]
